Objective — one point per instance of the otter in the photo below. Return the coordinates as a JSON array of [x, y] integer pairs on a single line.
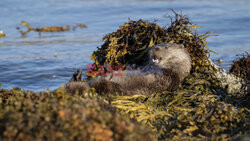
[[173, 64]]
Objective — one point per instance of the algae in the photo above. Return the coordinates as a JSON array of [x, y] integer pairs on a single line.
[[195, 111], [130, 43], [2, 34], [200, 109], [48, 29], [26, 115], [241, 66]]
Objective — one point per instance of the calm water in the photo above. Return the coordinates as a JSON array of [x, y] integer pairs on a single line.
[[29, 62]]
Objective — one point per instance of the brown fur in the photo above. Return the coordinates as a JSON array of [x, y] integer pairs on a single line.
[[174, 60], [77, 87]]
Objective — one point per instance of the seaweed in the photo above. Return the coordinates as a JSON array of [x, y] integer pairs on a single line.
[[131, 42], [200, 109], [48, 29], [2, 34], [26, 115], [193, 112], [241, 67]]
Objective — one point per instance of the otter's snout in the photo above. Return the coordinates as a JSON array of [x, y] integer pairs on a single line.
[[156, 59], [156, 54]]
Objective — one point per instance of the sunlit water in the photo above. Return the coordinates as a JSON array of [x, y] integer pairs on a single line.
[[29, 62]]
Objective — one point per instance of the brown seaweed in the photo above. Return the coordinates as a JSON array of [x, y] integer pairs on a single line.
[[2, 34], [26, 115], [48, 29], [241, 67], [194, 112], [200, 109], [130, 43]]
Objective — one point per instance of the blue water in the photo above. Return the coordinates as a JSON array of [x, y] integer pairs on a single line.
[[29, 62]]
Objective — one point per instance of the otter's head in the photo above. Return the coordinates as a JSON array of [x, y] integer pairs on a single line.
[[171, 57]]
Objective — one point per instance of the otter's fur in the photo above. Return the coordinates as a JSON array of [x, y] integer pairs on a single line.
[[173, 60]]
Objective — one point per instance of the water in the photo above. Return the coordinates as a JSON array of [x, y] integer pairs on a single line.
[[29, 62]]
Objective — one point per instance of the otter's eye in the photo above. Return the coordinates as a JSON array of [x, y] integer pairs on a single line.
[[155, 57], [157, 49]]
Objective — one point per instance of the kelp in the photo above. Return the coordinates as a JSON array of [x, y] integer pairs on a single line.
[[131, 42], [48, 29], [26, 115], [200, 109], [188, 115], [241, 67], [2, 34], [193, 112], [128, 43]]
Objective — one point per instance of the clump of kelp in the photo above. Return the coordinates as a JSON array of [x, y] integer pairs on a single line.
[[26, 115], [48, 29], [241, 67], [200, 109], [193, 112], [130, 43]]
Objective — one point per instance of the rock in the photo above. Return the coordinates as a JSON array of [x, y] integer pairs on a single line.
[[233, 85]]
